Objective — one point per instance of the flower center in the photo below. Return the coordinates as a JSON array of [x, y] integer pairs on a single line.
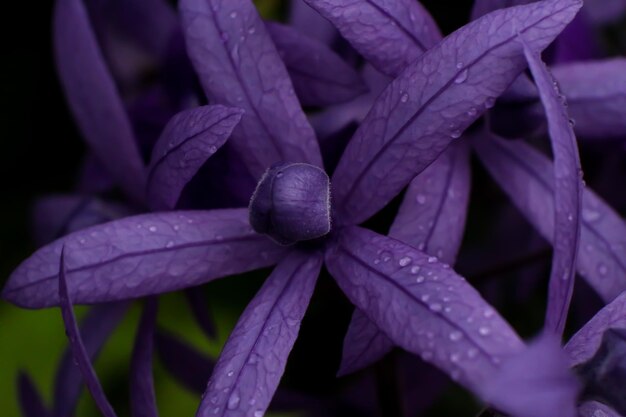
[[291, 203]]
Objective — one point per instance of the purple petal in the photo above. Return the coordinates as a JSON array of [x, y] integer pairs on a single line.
[[93, 97], [527, 177], [432, 215], [310, 23], [319, 76], [188, 366], [535, 383], [93, 177], [567, 193], [596, 409], [238, 65], [432, 219], [29, 399], [254, 357], [142, 398], [198, 303], [95, 330], [188, 140], [79, 351], [57, 215], [596, 96], [434, 100], [584, 344], [144, 255], [422, 305], [363, 345], [389, 35], [605, 11], [150, 23]]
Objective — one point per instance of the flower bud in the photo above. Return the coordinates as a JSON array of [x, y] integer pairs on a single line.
[[291, 203]]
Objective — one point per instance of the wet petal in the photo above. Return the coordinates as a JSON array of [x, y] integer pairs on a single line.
[[239, 66], [142, 398], [254, 357], [389, 35], [143, 255], [422, 305], [567, 193], [434, 100]]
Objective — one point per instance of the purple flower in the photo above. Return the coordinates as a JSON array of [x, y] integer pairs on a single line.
[[298, 219]]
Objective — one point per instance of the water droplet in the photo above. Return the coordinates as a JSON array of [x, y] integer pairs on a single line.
[[432, 259], [490, 102], [280, 174], [233, 15], [404, 97], [230, 373], [292, 322], [169, 244], [386, 258], [484, 331], [455, 336], [436, 307], [152, 228], [419, 279], [459, 65], [456, 134], [176, 227], [216, 410], [425, 297], [376, 261], [81, 241], [212, 148], [258, 413], [572, 122], [404, 261], [461, 77], [420, 198], [602, 269], [570, 217], [415, 269], [454, 358], [488, 313], [472, 112], [590, 215], [233, 401], [252, 30]]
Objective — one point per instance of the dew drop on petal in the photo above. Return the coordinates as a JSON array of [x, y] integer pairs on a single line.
[[233, 401], [404, 97], [404, 261], [415, 269], [419, 279], [421, 199], [455, 336], [461, 77], [258, 413], [459, 65], [590, 215], [602, 269], [484, 331], [233, 15], [152, 228], [435, 307], [432, 259]]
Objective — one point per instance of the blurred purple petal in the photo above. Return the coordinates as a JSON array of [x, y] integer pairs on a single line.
[[434, 100], [142, 398], [577, 42], [535, 383], [144, 255], [596, 409], [100, 114], [309, 22], [239, 66], [254, 357], [584, 344], [188, 366], [431, 219], [79, 352], [188, 140], [57, 215], [482, 7], [29, 400], [422, 305], [567, 193], [199, 305], [526, 176], [95, 330], [319, 76], [596, 107], [389, 35], [93, 177], [605, 11]]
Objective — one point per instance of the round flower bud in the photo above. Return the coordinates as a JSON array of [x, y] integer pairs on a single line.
[[291, 203]]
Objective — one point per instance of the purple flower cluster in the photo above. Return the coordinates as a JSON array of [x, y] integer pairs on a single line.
[[250, 181]]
